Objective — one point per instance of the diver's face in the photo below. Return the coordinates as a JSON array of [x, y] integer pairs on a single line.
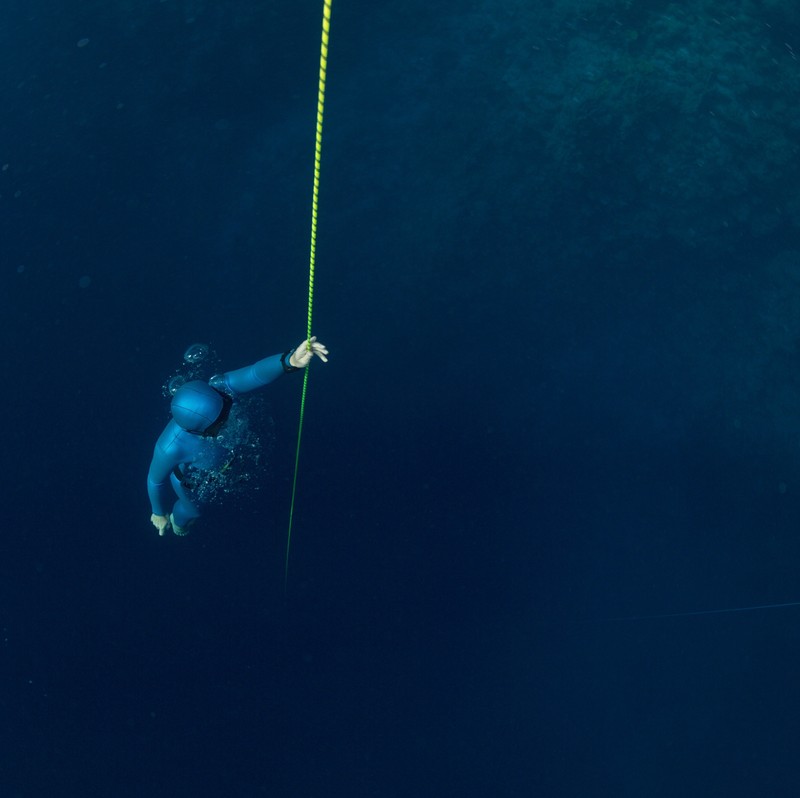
[[214, 429]]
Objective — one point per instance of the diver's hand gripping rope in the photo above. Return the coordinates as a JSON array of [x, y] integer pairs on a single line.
[[323, 67]]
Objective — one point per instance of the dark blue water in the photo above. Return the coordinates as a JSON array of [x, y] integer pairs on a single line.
[[559, 275]]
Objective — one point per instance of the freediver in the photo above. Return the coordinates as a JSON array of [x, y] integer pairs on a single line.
[[199, 412]]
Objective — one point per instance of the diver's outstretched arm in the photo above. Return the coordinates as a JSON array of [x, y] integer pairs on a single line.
[[265, 371]]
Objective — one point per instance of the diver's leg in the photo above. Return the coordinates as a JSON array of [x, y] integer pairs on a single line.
[[185, 511]]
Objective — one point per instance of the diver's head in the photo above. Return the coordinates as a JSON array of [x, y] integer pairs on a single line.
[[196, 406]]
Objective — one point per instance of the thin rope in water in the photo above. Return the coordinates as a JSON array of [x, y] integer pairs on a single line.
[[707, 612], [323, 68]]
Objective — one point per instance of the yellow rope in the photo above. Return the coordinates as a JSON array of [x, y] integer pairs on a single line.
[[323, 67]]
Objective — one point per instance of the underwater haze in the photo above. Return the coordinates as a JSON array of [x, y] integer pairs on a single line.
[[558, 272]]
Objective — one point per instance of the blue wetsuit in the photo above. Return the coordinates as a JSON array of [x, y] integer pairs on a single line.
[[177, 447]]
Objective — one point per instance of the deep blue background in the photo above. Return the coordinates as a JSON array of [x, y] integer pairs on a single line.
[[539, 416]]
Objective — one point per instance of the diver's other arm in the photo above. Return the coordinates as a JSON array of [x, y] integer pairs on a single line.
[[159, 487], [301, 356]]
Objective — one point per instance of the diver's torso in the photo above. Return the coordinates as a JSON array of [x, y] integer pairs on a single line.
[[185, 448]]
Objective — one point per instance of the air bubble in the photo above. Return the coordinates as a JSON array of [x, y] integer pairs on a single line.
[[175, 383], [195, 354]]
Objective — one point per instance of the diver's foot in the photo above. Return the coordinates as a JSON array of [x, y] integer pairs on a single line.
[[181, 531]]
